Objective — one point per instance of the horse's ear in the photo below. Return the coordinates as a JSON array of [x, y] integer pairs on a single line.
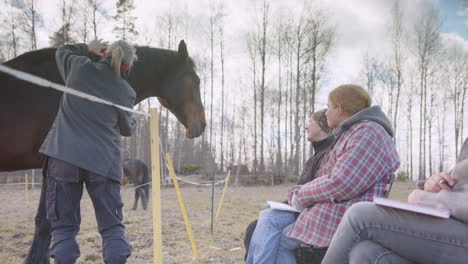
[[183, 53]]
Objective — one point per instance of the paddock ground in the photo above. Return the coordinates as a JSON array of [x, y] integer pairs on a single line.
[[241, 206]]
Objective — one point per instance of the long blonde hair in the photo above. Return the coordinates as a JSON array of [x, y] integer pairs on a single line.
[[121, 52]]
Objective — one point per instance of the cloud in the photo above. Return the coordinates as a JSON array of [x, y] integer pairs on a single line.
[[463, 12], [454, 40]]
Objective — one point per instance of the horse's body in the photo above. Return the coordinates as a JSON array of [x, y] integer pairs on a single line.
[[138, 174], [27, 111]]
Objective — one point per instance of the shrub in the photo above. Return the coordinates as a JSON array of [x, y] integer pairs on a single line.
[[402, 176]]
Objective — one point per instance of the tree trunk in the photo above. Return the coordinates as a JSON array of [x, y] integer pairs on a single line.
[[222, 99], [279, 155]]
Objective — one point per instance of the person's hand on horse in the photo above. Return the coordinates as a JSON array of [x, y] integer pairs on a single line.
[[97, 46], [439, 181]]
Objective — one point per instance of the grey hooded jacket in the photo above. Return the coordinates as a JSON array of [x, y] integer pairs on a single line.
[[85, 133], [373, 113]]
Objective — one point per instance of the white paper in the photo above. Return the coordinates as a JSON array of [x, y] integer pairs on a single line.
[[282, 207], [438, 212]]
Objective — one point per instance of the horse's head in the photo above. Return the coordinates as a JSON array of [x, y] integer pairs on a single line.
[[181, 93]]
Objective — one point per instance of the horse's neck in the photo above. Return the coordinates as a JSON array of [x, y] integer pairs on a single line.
[[150, 70]]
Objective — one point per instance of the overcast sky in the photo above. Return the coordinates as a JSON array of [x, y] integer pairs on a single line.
[[362, 27]]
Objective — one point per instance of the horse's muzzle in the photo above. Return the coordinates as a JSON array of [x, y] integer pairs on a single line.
[[195, 129]]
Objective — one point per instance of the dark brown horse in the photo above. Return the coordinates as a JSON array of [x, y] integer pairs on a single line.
[[138, 174], [27, 111]]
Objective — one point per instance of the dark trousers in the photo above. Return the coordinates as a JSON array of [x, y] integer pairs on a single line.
[[64, 191]]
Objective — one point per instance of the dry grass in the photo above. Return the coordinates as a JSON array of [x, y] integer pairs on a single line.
[[241, 206]]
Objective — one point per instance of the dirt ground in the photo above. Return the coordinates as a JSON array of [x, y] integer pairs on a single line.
[[241, 206]]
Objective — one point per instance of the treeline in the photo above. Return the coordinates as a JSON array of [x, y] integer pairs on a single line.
[[260, 83]]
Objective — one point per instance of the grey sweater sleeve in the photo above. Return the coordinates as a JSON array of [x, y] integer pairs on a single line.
[[127, 123], [69, 57]]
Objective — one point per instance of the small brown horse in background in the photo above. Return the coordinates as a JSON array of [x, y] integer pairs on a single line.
[[138, 174]]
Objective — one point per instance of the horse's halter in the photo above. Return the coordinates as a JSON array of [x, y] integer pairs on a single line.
[[124, 67]]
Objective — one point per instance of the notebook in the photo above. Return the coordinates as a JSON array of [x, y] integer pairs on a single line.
[[421, 209], [281, 206]]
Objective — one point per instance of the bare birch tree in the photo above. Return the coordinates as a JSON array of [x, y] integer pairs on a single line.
[[97, 10], [221, 47], [397, 37], [320, 41], [125, 26], [251, 40], [427, 33], [457, 65], [409, 118], [280, 31], [64, 35], [11, 27], [31, 18]]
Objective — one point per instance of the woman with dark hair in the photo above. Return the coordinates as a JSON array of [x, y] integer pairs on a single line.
[[83, 147], [320, 135]]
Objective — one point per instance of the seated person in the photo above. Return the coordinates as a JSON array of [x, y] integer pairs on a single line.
[[373, 234], [357, 168], [320, 134]]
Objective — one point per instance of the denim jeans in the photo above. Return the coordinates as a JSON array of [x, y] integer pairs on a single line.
[[369, 233], [286, 249], [265, 244]]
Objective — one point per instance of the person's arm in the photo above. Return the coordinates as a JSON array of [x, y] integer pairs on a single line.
[[127, 123], [357, 169], [455, 201], [70, 56]]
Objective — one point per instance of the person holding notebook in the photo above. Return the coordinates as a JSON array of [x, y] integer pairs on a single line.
[[321, 137], [357, 168], [370, 233]]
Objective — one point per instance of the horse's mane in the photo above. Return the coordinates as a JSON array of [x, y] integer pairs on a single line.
[[148, 55]]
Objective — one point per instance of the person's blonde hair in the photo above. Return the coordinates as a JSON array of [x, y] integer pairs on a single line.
[[352, 98], [121, 52]]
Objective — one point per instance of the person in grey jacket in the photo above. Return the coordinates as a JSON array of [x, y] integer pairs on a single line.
[[83, 146], [370, 233]]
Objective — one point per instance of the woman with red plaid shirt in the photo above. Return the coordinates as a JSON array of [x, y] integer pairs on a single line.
[[356, 169]]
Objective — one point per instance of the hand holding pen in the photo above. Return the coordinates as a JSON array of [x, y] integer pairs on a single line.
[[440, 181]]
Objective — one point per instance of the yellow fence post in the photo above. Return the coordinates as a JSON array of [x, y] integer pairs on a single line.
[[26, 184], [222, 195], [156, 188], [182, 207]]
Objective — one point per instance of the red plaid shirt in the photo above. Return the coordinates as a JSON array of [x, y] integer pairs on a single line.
[[356, 169]]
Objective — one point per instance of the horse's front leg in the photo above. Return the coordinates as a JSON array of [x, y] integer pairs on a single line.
[[39, 251], [144, 196], [137, 196]]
